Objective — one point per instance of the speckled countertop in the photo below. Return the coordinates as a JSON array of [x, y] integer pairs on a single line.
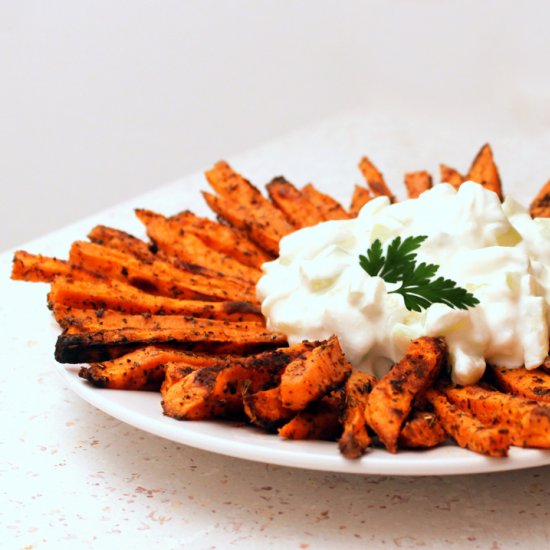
[[73, 477]]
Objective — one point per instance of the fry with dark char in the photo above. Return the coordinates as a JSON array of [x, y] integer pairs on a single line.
[[199, 335], [467, 430], [35, 268], [355, 438], [225, 239], [249, 208], [532, 384], [527, 421], [391, 400], [485, 172], [218, 390], [122, 241], [159, 278], [540, 207], [176, 243], [361, 195], [450, 175], [422, 430], [330, 208], [315, 374], [264, 408], [298, 210], [143, 369], [417, 182], [128, 299], [319, 421], [375, 179]]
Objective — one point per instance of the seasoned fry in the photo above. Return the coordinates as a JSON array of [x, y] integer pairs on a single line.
[[485, 172], [355, 438], [450, 175], [143, 369], [375, 179], [532, 384], [258, 231], [249, 208], [79, 320], [298, 210], [122, 241], [540, 207], [218, 390], [467, 430], [36, 268], [361, 195], [199, 335], [159, 278], [310, 377], [264, 408], [330, 208], [319, 421], [224, 239], [417, 182], [422, 430], [128, 299], [391, 400], [527, 421], [176, 243]]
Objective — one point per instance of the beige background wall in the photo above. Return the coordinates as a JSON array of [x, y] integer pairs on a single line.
[[100, 101]]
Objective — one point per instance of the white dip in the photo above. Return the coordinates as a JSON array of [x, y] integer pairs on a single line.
[[317, 288]]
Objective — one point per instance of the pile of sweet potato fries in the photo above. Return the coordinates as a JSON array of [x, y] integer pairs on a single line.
[[179, 314]]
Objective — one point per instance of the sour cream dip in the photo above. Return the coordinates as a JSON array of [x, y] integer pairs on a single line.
[[316, 288]]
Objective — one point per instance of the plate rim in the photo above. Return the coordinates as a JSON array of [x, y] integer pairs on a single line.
[[376, 462]]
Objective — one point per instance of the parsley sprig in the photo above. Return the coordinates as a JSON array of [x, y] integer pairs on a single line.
[[418, 288]]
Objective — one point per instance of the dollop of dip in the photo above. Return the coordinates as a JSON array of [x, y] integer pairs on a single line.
[[316, 288]]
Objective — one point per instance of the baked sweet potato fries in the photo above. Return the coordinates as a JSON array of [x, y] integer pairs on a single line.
[[177, 313]]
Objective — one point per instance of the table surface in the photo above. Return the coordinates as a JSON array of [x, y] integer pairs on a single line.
[[72, 476]]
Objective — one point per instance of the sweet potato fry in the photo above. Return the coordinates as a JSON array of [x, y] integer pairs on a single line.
[[176, 243], [422, 430], [532, 384], [158, 278], [128, 299], [319, 421], [467, 430], [540, 207], [417, 182], [82, 320], [361, 195], [122, 241], [391, 400], [298, 210], [310, 377], [528, 421], [199, 335], [36, 268], [450, 175], [143, 369], [259, 231], [375, 179], [330, 208], [249, 208], [485, 172], [217, 391], [355, 438], [224, 239], [264, 408]]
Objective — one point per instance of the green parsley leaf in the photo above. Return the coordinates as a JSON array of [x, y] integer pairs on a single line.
[[418, 289]]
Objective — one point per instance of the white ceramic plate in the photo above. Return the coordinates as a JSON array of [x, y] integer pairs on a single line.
[[326, 155]]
